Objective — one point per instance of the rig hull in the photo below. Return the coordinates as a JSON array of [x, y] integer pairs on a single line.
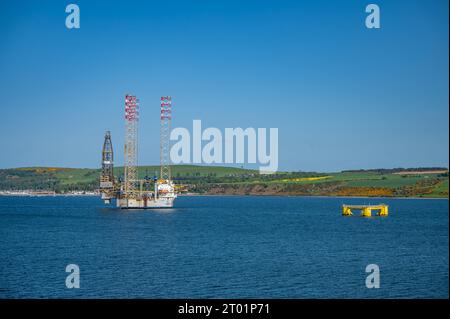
[[129, 203]]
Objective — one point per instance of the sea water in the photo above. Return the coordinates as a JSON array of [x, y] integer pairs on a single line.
[[223, 247]]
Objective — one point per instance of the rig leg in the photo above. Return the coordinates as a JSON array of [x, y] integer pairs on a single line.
[[346, 211], [384, 211], [366, 212]]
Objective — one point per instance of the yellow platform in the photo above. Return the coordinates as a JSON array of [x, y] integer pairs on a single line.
[[366, 210]]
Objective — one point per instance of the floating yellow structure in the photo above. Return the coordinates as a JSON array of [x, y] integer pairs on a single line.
[[366, 210]]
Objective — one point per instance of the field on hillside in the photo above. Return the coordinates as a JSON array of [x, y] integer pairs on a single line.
[[231, 180]]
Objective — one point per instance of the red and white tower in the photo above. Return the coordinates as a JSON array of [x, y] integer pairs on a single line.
[[166, 118], [131, 144]]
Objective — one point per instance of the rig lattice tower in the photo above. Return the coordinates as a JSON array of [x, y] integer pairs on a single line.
[[107, 177], [166, 117], [131, 145]]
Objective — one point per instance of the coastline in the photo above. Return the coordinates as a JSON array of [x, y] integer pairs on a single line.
[[47, 195], [312, 196], [88, 194]]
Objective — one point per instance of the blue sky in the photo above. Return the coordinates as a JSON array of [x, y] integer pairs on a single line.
[[342, 96]]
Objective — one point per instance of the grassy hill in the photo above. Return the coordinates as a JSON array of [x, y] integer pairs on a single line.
[[418, 182], [57, 178]]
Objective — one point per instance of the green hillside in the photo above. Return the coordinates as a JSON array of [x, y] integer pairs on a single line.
[[423, 182], [65, 179]]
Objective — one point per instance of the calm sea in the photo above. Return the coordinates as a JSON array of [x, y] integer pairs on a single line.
[[222, 247]]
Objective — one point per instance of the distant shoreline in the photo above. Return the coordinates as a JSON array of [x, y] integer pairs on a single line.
[[221, 195], [420, 182], [229, 195], [311, 196], [46, 195]]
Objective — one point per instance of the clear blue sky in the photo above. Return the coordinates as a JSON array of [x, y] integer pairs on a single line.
[[342, 96]]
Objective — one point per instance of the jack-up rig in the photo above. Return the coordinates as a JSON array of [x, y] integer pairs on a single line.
[[133, 192]]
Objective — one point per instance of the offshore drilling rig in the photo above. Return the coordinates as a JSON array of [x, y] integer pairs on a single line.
[[132, 192]]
